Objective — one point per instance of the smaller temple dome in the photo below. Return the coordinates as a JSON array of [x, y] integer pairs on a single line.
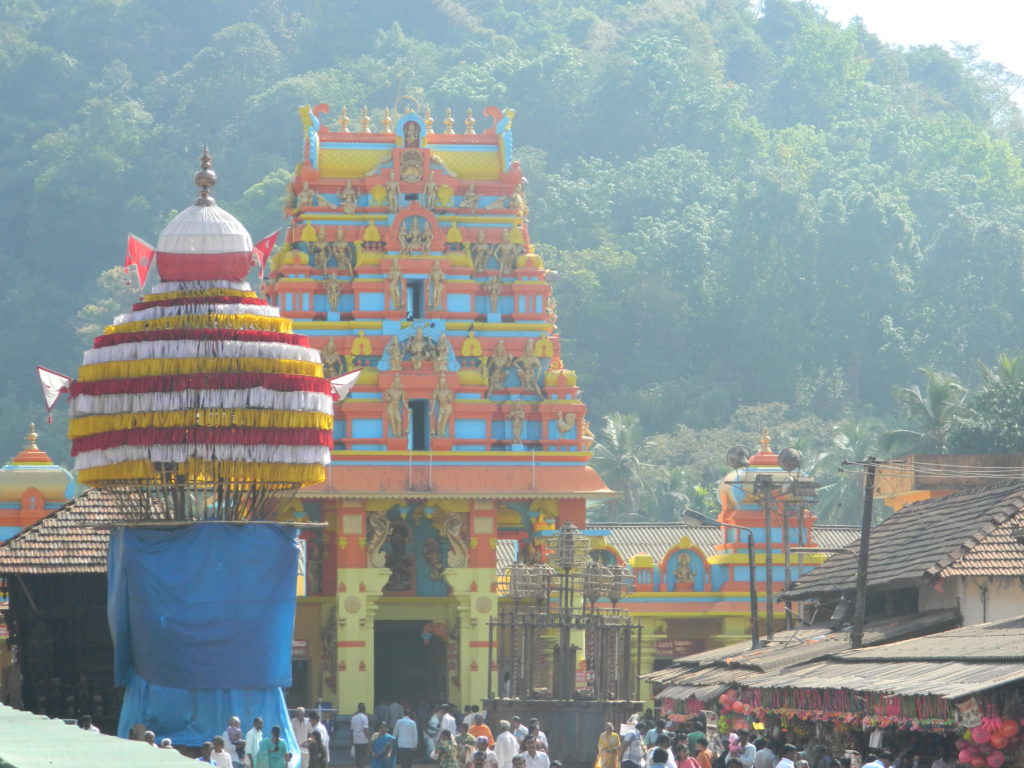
[[31, 486], [204, 242]]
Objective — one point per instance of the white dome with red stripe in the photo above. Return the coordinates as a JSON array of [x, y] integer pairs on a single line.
[[202, 381]]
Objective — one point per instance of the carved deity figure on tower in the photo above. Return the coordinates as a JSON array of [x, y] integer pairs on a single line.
[[321, 249], [497, 369], [333, 288], [395, 354], [470, 198], [349, 197], [518, 200], [493, 288], [418, 348], [396, 286], [411, 166], [507, 253], [684, 570], [411, 134], [517, 416], [440, 353], [430, 192], [435, 287], [305, 198], [442, 401], [528, 366], [391, 189], [452, 525], [334, 364], [480, 252], [394, 407]]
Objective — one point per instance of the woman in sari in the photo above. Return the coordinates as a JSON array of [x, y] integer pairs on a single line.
[[446, 749], [607, 748], [317, 751], [382, 748], [465, 743]]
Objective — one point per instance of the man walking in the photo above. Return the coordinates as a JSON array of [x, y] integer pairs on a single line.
[[325, 738], [505, 746], [252, 741], [361, 735], [408, 738], [301, 729]]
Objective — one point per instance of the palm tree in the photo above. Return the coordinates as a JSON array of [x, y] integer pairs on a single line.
[[934, 411], [840, 495], [617, 458], [1007, 372]]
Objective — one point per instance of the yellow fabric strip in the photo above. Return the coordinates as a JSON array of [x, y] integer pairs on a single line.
[[244, 322], [204, 471], [211, 417], [130, 369], [203, 292]]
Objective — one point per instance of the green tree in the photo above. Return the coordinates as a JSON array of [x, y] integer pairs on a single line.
[[934, 412]]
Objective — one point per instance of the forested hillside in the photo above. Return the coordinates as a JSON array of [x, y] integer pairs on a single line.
[[757, 215]]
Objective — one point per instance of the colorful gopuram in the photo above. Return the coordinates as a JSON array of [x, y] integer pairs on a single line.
[[31, 486], [408, 256]]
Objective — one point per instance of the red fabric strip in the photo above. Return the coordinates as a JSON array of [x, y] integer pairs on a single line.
[[202, 436], [279, 382], [200, 334]]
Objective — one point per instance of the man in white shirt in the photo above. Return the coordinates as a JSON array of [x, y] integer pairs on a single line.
[[631, 752], [534, 757], [482, 757], [786, 756], [764, 757], [301, 729], [539, 737], [252, 741], [325, 738], [505, 745], [519, 730], [747, 750], [361, 735], [448, 722], [408, 737]]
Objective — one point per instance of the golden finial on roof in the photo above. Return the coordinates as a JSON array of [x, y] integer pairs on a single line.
[[387, 121], [31, 437], [449, 121], [364, 121], [470, 122], [205, 178], [766, 441], [407, 110], [428, 120], [343, 120]]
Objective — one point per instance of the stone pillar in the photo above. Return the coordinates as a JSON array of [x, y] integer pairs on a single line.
[[358, 592], [475, 591]]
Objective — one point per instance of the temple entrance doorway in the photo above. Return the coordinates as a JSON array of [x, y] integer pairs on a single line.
[[406, 669]]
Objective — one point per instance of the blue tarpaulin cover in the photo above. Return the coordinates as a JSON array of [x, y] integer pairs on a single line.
[[202, 620]]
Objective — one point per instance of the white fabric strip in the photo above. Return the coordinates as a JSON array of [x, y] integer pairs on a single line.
[[144, 402], [275, 454], [195, 348], [200, 285], [153, 313]]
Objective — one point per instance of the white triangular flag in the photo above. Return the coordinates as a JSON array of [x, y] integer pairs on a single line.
[[342, 385], [53, 385]]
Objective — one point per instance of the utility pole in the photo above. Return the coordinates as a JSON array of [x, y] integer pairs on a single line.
[[860, 607], [763, 485]]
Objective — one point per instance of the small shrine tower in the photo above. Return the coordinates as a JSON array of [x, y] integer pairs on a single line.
[[408, 256], [31, 486]]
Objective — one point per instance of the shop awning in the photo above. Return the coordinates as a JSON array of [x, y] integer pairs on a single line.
[[699, 692]]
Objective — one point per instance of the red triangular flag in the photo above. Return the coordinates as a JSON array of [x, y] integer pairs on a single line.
[[261, 251], [342, 385], [140, 255], [53, 385]]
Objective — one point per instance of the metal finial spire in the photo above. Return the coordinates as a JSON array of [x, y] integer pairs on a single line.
[[766, 441], [205, 178], [31, 437]]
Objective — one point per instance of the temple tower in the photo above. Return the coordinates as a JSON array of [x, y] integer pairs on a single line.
[[408, 256]]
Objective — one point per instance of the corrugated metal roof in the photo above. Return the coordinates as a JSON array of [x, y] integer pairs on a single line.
[[739, 663], [965, 533], [951, 679], [996, 641]]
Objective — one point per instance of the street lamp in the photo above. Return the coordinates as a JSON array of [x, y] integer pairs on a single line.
[[692, 517]]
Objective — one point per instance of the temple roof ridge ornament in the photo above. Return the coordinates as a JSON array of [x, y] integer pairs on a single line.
[[205, 179]]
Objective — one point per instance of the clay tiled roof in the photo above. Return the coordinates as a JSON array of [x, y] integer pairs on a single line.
[[61, 542], [970, 533]]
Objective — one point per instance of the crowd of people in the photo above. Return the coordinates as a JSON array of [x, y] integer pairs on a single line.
[[447, 737], [653, 745]]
